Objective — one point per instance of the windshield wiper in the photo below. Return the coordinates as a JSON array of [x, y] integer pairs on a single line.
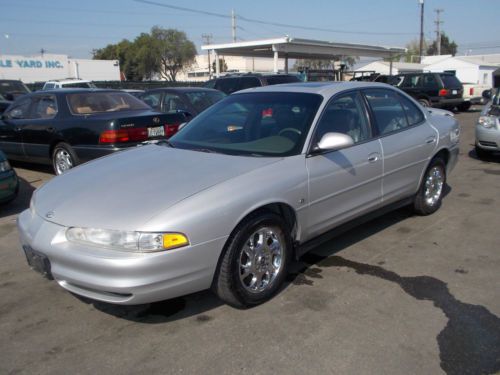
[[165, 142]]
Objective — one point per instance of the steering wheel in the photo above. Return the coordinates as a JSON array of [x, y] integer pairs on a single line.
[[292, 130]]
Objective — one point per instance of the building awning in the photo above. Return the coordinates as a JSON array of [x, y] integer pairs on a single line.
[[294, 48]]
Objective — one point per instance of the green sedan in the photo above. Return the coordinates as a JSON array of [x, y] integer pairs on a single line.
[[9, 183]]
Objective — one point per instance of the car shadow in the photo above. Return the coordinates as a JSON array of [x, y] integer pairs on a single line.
[[21, 202], [492, 157], [33, 167]]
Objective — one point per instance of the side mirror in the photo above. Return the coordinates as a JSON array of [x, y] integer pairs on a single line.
[[334, 141]]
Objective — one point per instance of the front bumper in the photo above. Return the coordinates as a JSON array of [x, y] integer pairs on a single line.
[[488, 139], [120, 277]]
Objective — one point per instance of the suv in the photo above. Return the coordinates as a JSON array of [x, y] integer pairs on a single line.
[[442, 90], [69, 83], [232, 83]]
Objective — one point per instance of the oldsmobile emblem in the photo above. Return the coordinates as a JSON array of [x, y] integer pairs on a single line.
[[156, 120], [49, 215]]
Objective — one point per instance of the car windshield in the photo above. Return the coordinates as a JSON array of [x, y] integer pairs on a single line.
[[256, 124], [98, 102], [201, 100]]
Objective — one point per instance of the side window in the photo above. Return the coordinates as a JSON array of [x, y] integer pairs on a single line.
[[430, 82], [344, 114], [45, 107], [152, 99], [173, 103], [413, 113], [387, 110], [411, 81], [19, 110], [248, 82], [227, 85]]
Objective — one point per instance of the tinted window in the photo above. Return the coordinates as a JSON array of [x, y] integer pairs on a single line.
[[98, 102], [272, 124], [13, 87], [48, 86], [227, 85], [152, 99], [83, 85], [344, 114], [210, 84], [411, 81], [248, 82], [450, 81], [45, 107], [173, 103], [201, 100], [20, 109], [429, 81], [275, 80], [413, 113], [387, 110]]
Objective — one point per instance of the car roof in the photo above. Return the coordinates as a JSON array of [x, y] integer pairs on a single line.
[[68, 80], [321, 88], [75, 90]]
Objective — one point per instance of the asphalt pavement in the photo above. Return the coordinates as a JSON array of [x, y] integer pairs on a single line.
[[401, 294]]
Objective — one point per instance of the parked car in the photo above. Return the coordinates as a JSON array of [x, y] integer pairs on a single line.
[[235, 82], [69, 83], [249, 184], [9, 183], [134, 92], [472, 95], [68, 127], [488, 127], [441, 90], [191, 100], [10, 90]]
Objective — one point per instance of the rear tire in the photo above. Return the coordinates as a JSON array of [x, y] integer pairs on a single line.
[[430, 193], [63, 158], [464, 107], [255, 261], [424, 102]]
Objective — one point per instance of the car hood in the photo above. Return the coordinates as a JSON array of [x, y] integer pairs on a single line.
[[124, 190]]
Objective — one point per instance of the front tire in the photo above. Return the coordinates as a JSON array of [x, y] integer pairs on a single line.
[[255, 261], [430, 193], [63, 158], [424, 102], [481, 153]]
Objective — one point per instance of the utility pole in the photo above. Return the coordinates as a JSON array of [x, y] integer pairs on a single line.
[[421, 50], [438, 23], [207, 38], [233, 25]]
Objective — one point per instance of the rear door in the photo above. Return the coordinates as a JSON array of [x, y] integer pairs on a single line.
[[39, 131], [407, 140], [345, 183], [14, 119]]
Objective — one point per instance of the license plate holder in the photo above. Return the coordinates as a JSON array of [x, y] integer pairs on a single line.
[[38, 262], [157, 131]]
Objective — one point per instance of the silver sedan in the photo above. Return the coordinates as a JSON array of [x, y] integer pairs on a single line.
[[488, 128], [250, 184]]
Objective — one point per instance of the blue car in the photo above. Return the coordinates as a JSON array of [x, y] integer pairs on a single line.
[[9, 183]]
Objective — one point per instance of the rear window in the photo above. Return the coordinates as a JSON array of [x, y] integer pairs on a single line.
[[81, 85], [98, 102], [450, 81], [201, 100], [276, 80], [227, 85]]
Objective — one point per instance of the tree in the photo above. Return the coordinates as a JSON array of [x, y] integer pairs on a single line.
[[174, 51], [123, 52], [412, 54], [222, 65], [447, 47]]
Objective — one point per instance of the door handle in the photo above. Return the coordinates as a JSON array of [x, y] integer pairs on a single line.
[[50, 129], [430, 140], [17, 128], [373, 158]]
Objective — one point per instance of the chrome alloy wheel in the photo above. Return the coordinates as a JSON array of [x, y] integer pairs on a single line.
[[63, 161], [261, 259], [433, 186]]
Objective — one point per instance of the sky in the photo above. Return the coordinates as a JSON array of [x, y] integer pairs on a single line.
[[75, 27]]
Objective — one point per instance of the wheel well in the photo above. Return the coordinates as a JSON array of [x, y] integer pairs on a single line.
[[53, 144], [283, 210], [443, 154]]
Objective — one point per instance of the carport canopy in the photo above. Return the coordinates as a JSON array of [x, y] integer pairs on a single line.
[[294, 48]]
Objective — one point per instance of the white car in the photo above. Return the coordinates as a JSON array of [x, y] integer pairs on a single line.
[[69, 83]]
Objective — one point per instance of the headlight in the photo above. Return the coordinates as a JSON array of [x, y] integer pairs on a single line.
[[5, 166], [142, 242], [487, 121]]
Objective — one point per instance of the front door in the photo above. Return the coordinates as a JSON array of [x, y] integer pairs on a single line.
[[346, 183], [14, 119]]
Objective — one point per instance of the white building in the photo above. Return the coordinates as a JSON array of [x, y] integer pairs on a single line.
[[46, 67], [383, 67], [235, 64], [476, 69]]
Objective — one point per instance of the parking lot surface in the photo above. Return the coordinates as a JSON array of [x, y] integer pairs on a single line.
[[399, 295]]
